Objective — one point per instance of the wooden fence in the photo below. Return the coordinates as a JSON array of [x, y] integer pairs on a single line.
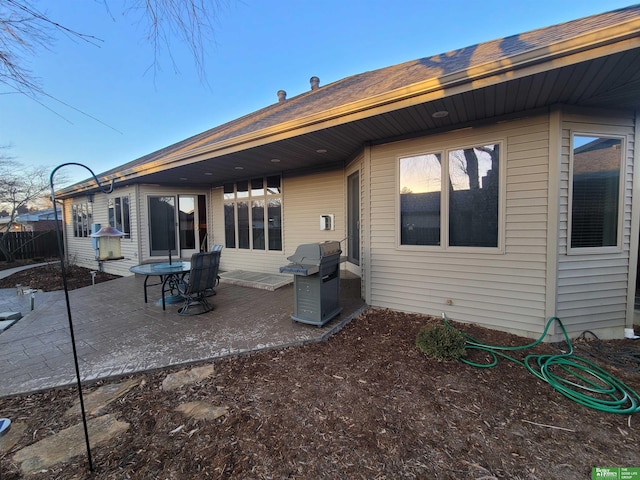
[[28, 245]]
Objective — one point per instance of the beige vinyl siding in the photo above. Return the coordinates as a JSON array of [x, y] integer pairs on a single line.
[[592, 288], [130, 247], [502, 289], [135, 249], [304, 199], [80, 249]]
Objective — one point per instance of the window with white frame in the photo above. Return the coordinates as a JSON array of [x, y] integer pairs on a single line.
[[119, 214], [451, 198], [253, 214], [82, 214], [596, 185]]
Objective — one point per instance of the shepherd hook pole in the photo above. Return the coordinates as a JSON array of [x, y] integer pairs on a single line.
[[66, 295]]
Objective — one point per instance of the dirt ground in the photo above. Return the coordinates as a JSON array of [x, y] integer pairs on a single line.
[[366, 404], [48, 278]]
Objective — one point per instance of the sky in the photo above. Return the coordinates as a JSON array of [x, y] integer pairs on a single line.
[[112, 106]]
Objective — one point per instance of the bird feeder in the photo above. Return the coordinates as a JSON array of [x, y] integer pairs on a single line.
[[108, 247]]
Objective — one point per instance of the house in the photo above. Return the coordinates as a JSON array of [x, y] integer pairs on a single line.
[[494, 183], [36, 221]]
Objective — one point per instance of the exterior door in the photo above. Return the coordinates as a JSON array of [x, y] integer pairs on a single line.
[[188, 225], [177, 225], [353, 220]]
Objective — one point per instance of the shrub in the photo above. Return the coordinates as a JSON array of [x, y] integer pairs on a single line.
[[441, 342]]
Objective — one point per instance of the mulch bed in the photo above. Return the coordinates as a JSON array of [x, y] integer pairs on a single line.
[[49, 278], [366, 404]]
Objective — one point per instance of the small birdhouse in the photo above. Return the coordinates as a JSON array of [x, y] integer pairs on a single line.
[[109, 239]]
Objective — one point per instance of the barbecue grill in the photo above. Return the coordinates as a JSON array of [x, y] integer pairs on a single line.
[[316, 271]]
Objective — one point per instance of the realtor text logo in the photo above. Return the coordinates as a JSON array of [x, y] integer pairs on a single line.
[[605, 473], [615, 473]]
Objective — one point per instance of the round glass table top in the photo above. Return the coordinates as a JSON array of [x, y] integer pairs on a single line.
[[163, 268]]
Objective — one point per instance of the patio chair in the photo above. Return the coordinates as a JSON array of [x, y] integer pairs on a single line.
[[198, 284], [216, 249]]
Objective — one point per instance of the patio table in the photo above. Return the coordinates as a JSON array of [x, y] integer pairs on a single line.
[[169, 273]]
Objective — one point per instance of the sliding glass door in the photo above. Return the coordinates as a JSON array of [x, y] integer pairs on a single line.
[[188, 225], [177, 223]]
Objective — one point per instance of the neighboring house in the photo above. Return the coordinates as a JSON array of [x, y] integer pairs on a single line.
[[37, 221], [4, 224], [494, 183]]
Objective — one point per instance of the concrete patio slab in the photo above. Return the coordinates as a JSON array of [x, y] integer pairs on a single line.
[[4, 324], [266, 281], [117, 333]]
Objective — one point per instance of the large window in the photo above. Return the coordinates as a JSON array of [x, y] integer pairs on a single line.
[[253, 214], [595, 191], [420, 192], [82, 214], [451, 198], [119, 214]]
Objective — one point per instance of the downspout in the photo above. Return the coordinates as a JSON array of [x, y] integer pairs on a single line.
[[365, 226], [139, 206], [635, 232], [65, 233]]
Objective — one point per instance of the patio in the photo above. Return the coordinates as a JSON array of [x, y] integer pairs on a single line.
[[118, 334]]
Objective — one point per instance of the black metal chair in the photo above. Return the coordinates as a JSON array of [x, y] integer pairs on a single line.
[[217, 249], [198, 284]]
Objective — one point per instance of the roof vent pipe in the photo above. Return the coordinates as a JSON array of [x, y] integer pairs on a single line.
[[282, 95], [315, 83]]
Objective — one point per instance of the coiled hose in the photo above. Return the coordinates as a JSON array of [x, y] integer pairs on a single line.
[[574, 377], [623, 358]]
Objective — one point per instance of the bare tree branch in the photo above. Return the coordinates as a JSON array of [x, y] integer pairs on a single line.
[[24, 31], [20, 187], [5, 158], [29, 10], [192, 21]]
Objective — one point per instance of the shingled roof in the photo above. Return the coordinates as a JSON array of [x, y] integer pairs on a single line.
[[372, 89]]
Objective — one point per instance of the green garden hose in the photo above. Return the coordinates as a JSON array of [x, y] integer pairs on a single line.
[[573, 376]]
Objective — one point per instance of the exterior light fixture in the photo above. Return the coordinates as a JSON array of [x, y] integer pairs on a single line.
[[239, 168], [321, 150], [275, 160], [440, 114]]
